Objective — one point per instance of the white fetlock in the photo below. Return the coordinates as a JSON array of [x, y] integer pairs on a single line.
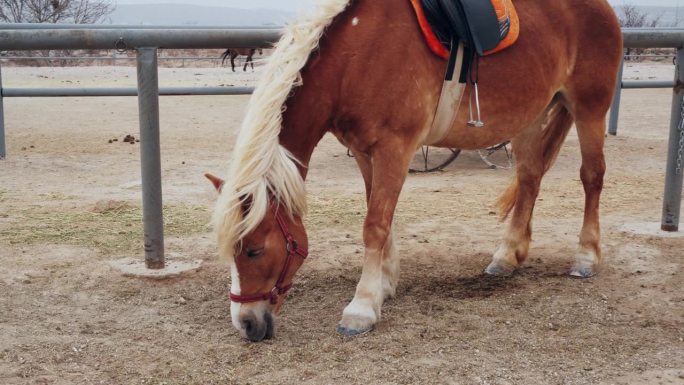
[[389, 287], [390, 277], [390, 269]]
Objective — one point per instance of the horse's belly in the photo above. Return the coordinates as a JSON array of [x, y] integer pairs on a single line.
[[497, 129]]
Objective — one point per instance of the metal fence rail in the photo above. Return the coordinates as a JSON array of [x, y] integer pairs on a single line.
[[49, 38], [146, 41], [102, 58], [122, 91]]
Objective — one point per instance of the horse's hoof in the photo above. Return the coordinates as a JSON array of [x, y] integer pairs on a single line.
[[583, 271], [355, 325], [347, 332], [500, 269]]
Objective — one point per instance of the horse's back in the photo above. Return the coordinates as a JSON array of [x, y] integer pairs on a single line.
[[375, 51]]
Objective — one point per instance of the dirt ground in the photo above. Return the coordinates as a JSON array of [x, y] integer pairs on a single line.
[[70, 204]]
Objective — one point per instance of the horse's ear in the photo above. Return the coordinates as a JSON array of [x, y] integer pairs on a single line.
[[216, 181]]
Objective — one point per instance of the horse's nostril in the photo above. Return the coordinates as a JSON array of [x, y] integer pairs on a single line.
[[248, 325]]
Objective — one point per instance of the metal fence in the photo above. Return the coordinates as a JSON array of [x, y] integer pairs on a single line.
[[113, 60], [146, 41], [661, 38]]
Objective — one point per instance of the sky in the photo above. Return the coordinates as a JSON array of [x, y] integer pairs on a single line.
[[287, 5], [663, 3], [293, 5]]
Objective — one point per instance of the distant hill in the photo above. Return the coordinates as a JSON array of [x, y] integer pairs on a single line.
[[187, 14]]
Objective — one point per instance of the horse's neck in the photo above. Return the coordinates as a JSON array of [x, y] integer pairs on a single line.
[[312, 107], [305, 122], [309, 112], [318, 104]]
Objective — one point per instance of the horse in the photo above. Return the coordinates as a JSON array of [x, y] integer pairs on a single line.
[[235, 52], [561, 71]]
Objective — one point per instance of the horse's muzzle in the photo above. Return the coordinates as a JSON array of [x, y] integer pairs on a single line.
[[256, 329]]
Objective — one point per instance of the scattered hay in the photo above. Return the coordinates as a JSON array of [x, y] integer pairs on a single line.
[[112, 227], [337, 210], [109, 205]]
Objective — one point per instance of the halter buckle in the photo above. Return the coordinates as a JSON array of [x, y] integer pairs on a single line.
[[291, 245], [275, 294]]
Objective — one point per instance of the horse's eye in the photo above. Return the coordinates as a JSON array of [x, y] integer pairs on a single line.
[[253, 253]]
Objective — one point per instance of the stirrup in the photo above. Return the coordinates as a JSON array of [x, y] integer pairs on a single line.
[[475, 122]]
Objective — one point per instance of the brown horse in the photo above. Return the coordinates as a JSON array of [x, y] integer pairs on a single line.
[[233, 53], [562, 70]]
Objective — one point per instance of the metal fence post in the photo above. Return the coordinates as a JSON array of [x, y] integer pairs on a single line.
[[615, 108], [150, 156], [3, 149], [672, 199]]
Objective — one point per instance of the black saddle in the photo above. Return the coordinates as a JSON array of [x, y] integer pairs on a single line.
[[472, 22]]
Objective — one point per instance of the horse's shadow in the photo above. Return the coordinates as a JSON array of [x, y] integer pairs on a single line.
[[456, 287], [411, 287], [421, 282]]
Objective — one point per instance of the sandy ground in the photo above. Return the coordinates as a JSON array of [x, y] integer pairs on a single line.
[[70, 203]]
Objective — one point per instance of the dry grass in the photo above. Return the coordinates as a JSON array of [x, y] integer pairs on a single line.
[[112, 231], [341, 210], [420, 203], [3, 198]]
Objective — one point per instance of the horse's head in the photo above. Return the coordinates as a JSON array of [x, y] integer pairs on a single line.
[[263, 264]]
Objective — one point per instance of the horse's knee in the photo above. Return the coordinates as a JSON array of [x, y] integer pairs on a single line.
[[592, 176]]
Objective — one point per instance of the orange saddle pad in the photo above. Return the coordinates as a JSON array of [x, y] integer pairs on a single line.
[[505, 11]]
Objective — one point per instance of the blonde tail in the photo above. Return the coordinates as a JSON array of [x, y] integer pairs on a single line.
[[559, 123]]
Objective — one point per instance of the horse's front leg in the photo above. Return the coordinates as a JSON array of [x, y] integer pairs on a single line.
[[390, 260], [386, 173]]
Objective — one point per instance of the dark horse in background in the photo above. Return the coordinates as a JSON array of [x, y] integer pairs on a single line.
[[235, 52]]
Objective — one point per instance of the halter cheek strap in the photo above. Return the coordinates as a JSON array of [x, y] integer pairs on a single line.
[[292, 249]]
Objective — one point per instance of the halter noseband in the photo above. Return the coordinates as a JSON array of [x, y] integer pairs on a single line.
[[279, 289]]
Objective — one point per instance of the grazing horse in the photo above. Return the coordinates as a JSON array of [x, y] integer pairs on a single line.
[[235, 52], [562, 70]]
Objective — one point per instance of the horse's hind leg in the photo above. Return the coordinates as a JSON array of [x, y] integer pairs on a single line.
[[232, 61], [535, 150], [591, 133], [528, 152]]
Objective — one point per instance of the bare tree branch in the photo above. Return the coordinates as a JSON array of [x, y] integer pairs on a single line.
[[631, 17], [54, 11]]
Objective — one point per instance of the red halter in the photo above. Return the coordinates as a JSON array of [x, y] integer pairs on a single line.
[[279, 289]]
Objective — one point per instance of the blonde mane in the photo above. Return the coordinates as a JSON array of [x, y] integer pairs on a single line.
[[261, 166]]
